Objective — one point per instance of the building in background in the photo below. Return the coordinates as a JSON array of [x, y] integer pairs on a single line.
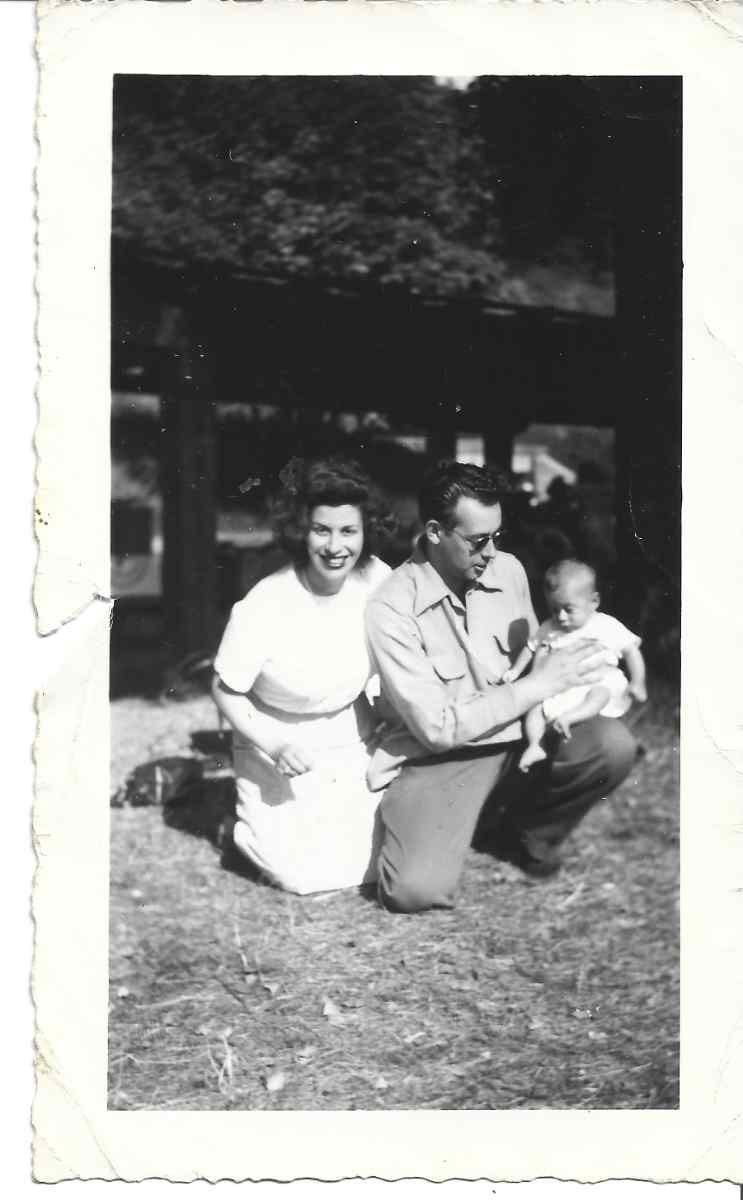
[[315, 277]]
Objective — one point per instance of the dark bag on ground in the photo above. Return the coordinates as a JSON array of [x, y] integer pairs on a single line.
[[163, 781]]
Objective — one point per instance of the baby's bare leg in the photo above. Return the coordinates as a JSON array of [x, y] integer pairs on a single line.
[[534, 727], [590, 706]]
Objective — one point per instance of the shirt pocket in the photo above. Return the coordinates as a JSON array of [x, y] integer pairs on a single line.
[[450, 667]]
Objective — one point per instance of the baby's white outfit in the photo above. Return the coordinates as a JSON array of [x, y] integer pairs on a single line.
[[614, 639]]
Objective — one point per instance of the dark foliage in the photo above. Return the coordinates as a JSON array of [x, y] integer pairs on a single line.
[[336, 179], [364, 180]]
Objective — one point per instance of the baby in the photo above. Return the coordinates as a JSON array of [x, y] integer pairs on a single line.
[[570, 589]]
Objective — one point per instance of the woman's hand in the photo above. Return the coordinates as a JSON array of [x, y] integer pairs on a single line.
[[293, 760]]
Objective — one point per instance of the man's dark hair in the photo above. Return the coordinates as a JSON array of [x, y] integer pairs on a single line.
[[448, 481]]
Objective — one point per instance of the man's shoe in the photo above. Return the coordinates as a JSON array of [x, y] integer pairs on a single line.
[[228, 852], [541, 868], [532, 865]]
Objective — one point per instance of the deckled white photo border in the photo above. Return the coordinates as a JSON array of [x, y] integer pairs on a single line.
[[82, 44]]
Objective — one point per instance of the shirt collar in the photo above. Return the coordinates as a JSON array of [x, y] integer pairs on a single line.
[[431, 589], [429, 586], [493, 578]]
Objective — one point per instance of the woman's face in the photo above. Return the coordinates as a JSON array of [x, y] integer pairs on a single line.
[[334, 542]]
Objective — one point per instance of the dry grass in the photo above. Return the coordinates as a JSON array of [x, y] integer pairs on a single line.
[[226, 993]]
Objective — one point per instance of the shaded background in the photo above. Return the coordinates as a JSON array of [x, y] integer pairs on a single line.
[[401, 268]]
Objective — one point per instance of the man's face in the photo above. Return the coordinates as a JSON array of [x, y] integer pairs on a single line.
[[466, 546]]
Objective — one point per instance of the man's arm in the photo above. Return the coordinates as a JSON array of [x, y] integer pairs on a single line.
[[420, 698]]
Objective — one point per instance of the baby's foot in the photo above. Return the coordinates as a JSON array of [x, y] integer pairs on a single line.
[[532, 755]]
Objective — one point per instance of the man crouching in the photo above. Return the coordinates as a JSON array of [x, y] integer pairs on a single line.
[[444, 629]]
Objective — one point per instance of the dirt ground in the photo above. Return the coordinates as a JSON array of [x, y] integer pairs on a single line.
[[228, 994]]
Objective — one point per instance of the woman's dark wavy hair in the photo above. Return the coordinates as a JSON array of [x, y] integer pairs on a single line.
[[334, 480]]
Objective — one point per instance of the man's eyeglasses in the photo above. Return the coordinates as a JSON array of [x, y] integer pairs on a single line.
[[478, 544]]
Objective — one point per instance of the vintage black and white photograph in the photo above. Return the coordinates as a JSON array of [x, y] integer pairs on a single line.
[[395, 539]]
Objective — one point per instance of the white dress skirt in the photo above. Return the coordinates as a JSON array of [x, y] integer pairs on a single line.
[[302, 661]]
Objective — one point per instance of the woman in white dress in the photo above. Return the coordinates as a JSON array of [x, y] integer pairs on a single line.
[[291, 677]]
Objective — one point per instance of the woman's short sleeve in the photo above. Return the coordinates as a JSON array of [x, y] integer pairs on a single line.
[[246, 642]]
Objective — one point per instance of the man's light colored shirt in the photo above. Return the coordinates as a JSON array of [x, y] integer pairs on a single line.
[[441, 659]]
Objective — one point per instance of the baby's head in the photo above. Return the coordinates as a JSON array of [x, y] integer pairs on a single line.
[[570, 591]]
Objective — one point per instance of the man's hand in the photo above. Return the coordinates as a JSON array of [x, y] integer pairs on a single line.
[[293, 760], [570, 666], [638, 692]]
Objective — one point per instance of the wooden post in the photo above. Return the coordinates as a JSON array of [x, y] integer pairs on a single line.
[[499, 439], [188, 462]]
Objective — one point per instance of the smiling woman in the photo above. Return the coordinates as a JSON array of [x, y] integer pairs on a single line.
[[291, 674], [334, 543]]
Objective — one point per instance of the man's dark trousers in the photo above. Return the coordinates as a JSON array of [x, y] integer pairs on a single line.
[[430, 812]]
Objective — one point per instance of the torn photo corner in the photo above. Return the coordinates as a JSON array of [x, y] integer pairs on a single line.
[[497, 233]]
